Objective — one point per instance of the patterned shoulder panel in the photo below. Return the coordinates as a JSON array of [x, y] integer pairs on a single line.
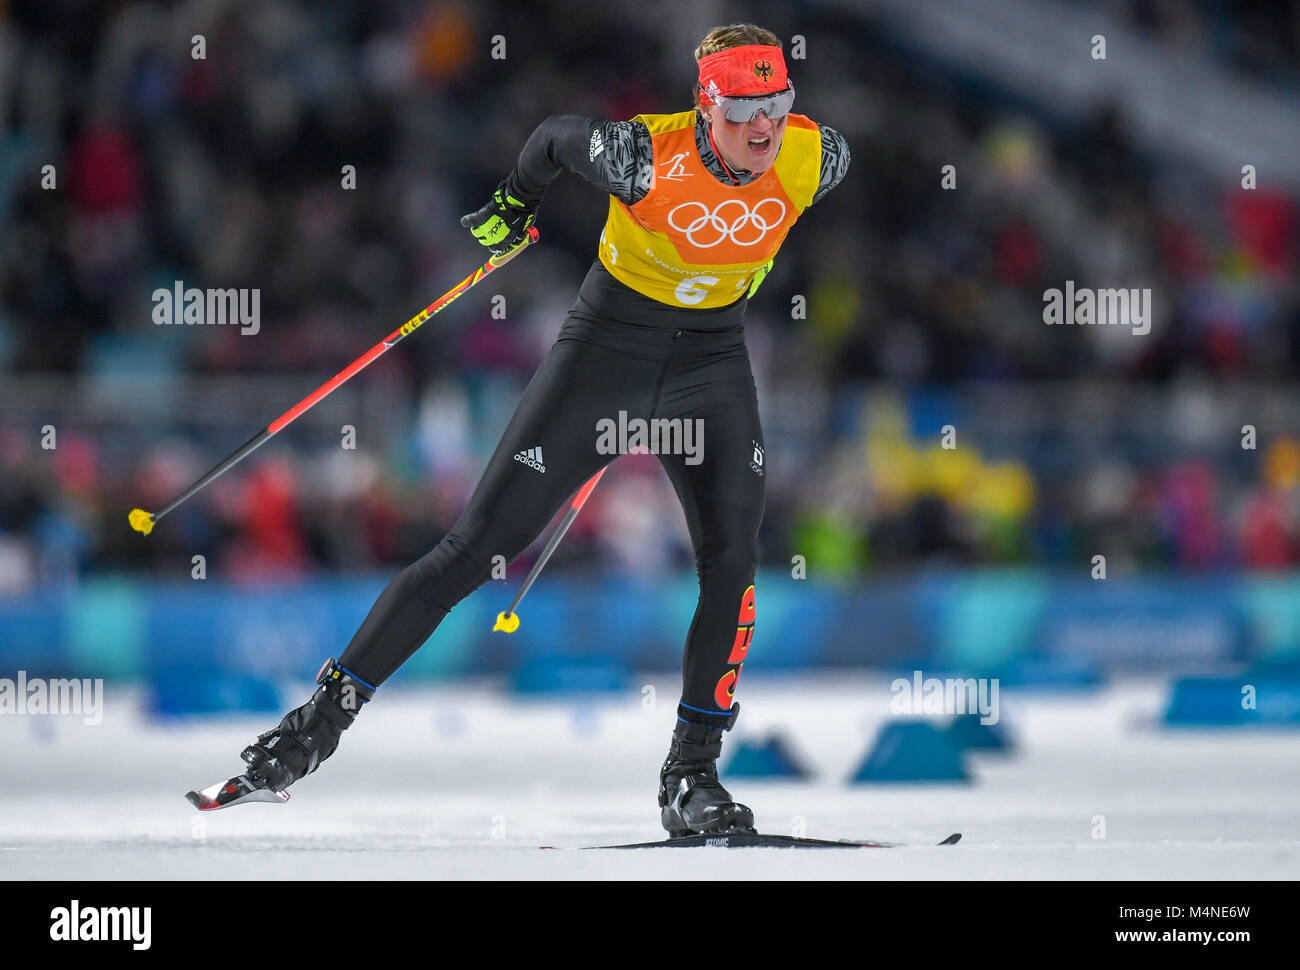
[[627, 161], [835, 161]]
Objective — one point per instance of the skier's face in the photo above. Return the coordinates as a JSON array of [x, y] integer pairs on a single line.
[[750, 145]]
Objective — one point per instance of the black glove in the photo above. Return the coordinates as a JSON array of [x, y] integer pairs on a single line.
[[502, 224]]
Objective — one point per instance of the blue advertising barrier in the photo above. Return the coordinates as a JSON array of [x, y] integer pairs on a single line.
[[1026, 627]]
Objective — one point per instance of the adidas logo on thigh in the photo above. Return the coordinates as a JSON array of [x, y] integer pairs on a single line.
[[532, 457]]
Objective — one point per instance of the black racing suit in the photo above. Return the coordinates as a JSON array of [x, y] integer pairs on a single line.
[[618, 351]]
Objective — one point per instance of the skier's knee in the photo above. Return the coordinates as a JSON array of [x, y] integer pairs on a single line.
[[453, 569], [733, 560]]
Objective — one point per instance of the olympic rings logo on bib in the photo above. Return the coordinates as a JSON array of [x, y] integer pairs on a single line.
[[744, 224]]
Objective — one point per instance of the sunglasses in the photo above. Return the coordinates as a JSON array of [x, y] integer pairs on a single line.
[[740, 110]]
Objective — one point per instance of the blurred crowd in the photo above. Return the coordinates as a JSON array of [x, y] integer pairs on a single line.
[[1260, 38], [232, 170]]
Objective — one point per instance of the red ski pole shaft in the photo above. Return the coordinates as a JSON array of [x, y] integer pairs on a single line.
[[144, 522]]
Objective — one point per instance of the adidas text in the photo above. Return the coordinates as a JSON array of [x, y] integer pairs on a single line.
[[532, 457]]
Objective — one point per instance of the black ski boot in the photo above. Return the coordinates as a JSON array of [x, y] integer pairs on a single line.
[[308, 735], [691, 799]]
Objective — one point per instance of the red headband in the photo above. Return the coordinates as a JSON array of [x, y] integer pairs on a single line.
[[740, 72]]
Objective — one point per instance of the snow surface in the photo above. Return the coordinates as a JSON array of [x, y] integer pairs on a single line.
[[466, 782]]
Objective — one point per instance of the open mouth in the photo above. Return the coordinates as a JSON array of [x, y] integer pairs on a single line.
[[760, 146]]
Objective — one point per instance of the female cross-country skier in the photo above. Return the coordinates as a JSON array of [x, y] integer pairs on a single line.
[[700, 202]]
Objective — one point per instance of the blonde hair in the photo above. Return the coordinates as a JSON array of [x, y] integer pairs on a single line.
[[735, 35], [723, 38]]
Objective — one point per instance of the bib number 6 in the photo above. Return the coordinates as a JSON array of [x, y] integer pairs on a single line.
[[694, 290]]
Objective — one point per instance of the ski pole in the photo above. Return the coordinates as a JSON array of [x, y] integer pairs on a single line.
[[509, 620], [144, 522]]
